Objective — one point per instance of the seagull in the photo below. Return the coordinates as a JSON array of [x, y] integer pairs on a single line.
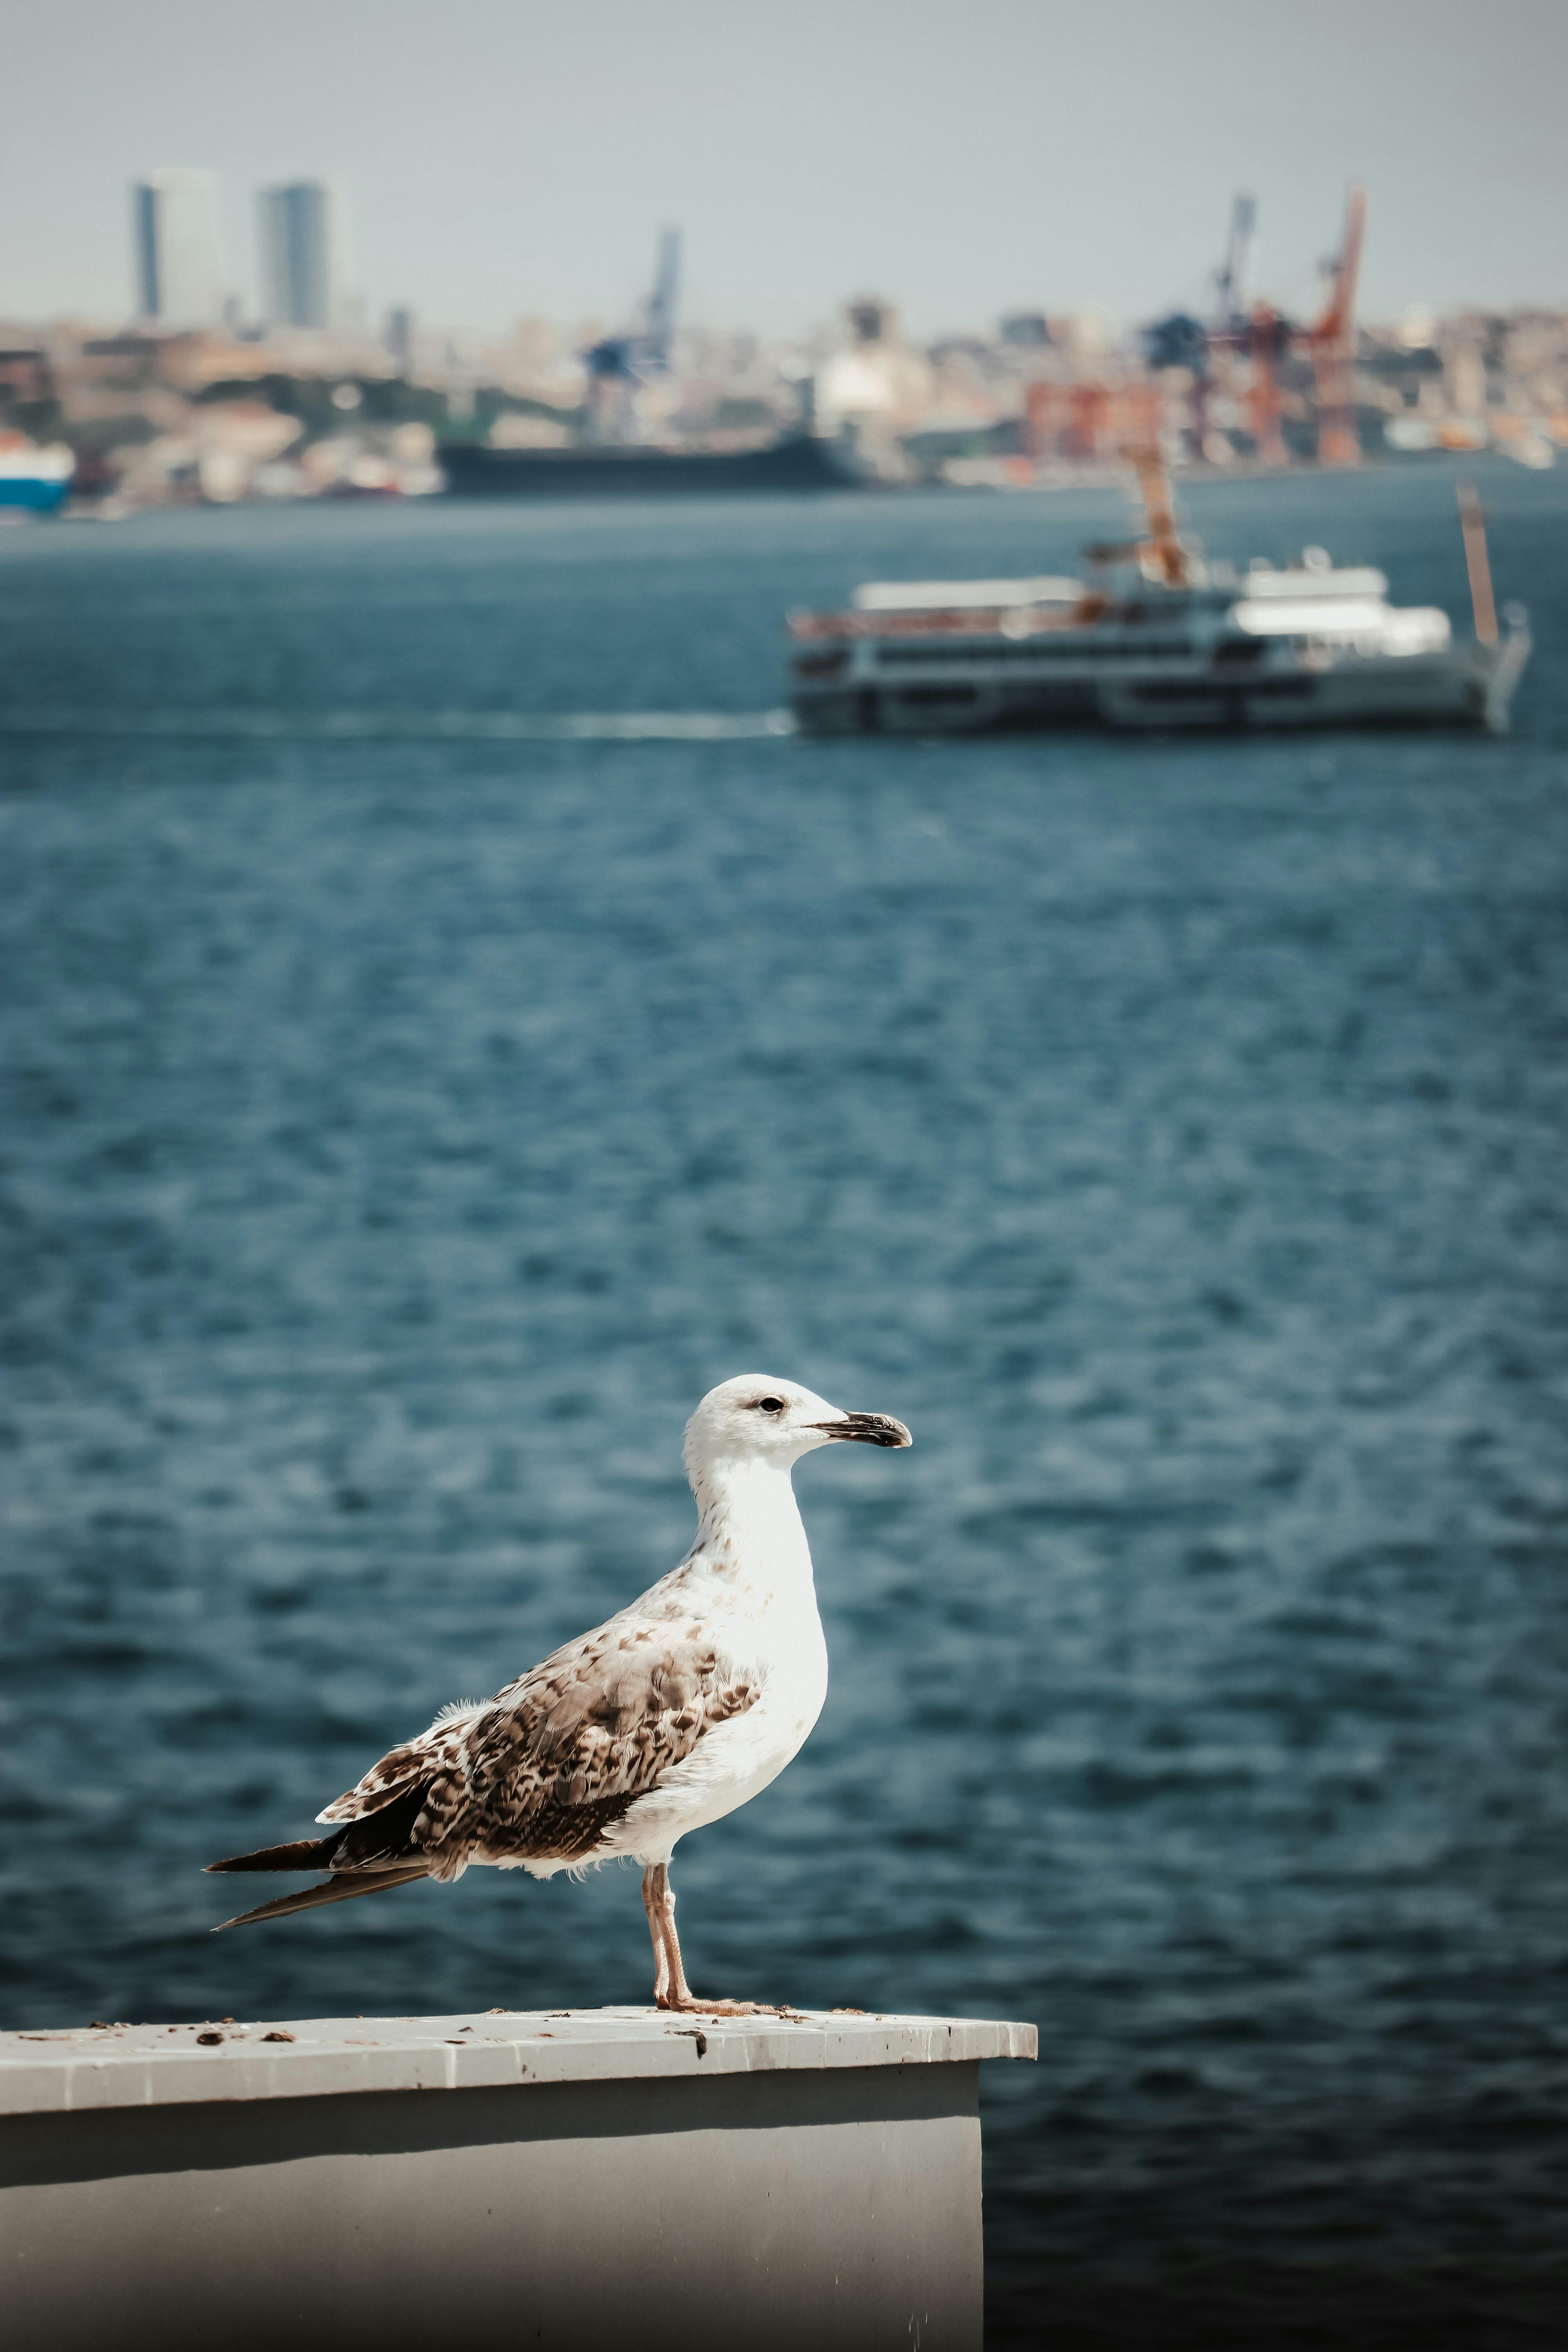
[[667, 1717]]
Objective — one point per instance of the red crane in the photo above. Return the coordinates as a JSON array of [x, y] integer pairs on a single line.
[[1333, 342], [1266, 337]]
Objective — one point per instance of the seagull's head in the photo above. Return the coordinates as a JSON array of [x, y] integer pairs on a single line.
[[758, 1419]]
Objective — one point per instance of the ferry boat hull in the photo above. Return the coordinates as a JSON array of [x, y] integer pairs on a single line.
[[1470, 686]]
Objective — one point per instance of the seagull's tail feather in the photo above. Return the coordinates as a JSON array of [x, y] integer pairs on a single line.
[[305, 1853], [374, 1847], [341, 1889]]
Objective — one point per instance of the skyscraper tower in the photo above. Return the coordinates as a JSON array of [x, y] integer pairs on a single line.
[[301, 255], [179, 263]]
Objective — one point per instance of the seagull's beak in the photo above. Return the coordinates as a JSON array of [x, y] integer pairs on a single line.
[[865, 1429]]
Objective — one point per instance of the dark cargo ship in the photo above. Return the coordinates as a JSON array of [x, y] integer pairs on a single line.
[[799, 462]]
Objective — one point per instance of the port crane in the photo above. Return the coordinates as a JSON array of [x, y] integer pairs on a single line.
[[1253, 330], [1257, 331], [1267, 341], [1230, 281], [1333, 339], [617, 365]]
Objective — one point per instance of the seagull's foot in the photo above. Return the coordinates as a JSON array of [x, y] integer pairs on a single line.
[[693, 2007]]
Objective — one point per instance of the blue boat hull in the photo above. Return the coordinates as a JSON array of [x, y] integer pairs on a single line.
[[32, 492]]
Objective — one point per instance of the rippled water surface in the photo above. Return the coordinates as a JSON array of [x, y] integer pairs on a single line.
[[402, 1128]]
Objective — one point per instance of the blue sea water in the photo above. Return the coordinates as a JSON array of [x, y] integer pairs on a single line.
[[400, 1134]]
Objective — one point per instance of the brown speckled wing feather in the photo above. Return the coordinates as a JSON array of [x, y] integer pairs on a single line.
[[542, 1770]]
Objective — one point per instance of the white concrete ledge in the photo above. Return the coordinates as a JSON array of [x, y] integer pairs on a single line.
[[589, 2179], [73, 2069]]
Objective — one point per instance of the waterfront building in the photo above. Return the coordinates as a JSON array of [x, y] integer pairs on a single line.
[[179, 262]]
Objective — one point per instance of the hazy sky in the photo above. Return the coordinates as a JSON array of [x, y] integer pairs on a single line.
[[961, 156]]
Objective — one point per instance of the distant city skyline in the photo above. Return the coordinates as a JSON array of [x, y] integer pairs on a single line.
[[501, 161]]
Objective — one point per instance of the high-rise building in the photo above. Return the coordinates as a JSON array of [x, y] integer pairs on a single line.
[[301, 255], [179, 261], [398, 338]]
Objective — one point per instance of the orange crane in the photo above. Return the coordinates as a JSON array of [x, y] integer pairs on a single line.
[[1266, 337], [1333, 342]]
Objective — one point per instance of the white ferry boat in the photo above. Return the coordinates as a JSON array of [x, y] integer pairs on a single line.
[[1155, 638]]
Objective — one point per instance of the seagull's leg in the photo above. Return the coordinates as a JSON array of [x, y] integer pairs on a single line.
[[672, 1990], [655, 1924], [677, 1993]]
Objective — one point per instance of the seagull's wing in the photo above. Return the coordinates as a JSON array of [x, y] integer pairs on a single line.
[[546, 1768], [436, 1751]]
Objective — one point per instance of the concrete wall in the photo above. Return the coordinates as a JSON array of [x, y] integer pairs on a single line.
[[810, 2209]]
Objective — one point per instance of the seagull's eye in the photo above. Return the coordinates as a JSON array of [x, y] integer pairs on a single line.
[[770, 1404]]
